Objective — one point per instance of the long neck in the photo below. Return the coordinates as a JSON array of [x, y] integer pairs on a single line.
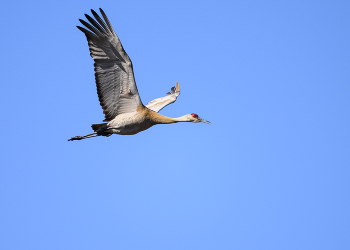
[[161, 119], [156, 118], [183, 118]]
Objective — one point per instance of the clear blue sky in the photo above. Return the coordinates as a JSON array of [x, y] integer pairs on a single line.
[[271, 172]]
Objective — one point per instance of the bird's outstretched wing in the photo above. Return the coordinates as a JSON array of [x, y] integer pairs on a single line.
[[157, 104], [115, 82]]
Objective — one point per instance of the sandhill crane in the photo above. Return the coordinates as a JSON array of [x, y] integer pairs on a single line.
[[116, 87]]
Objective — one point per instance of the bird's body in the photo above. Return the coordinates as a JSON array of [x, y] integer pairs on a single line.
[[116, 87], [135, 122]]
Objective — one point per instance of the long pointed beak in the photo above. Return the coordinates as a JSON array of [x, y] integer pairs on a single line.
[[205, 121]]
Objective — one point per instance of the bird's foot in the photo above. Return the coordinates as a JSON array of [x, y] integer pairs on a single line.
[[76, 138]]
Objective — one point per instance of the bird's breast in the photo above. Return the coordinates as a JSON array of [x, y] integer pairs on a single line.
[[134, 129], [130, 124]]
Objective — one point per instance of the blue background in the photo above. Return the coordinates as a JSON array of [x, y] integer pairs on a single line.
[[271, 172]]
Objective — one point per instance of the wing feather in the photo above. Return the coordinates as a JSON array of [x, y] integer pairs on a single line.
[[158, 104], [114, 75]]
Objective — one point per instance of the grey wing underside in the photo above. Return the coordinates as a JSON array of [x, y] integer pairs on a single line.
[[114, 75], [158, 104]]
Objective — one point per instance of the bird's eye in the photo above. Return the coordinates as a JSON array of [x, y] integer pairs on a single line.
[[194, 115]]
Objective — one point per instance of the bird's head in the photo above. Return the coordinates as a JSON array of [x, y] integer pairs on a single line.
[[195, 118]]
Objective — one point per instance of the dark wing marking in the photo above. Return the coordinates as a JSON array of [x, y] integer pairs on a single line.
[[115, 82]]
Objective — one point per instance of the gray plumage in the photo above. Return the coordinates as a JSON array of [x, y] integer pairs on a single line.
[[115, 82], [116, 87]]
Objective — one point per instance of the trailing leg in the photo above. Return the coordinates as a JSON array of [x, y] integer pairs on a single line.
[[83, 137]]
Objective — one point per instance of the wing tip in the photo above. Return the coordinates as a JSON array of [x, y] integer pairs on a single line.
[[177, 86]]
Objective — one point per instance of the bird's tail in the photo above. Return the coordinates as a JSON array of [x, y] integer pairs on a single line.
[[96, 127]]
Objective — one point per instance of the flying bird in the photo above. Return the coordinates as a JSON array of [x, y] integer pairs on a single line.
[[116, 87]]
